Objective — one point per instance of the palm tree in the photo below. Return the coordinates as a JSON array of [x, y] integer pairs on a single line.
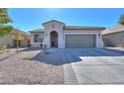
[[17, 36], [5, 29]]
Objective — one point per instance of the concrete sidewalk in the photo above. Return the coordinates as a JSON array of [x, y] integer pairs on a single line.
[[117, 49]]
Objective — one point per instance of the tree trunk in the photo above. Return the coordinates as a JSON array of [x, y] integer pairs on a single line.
[[17, 46]]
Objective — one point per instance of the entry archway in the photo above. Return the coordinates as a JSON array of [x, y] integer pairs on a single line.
[[54, 39]]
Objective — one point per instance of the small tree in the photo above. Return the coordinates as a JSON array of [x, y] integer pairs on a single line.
[[17, 36], [5, 29], [121, 20]]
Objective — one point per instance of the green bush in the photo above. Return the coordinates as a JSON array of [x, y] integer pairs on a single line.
[[4, 48], [29, 45], [8, 45], [45, 46], [0, 49]]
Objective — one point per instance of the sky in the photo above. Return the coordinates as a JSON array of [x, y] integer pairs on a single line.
[[27, 19]]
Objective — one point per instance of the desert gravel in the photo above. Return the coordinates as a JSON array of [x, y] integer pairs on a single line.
[[22, 68]]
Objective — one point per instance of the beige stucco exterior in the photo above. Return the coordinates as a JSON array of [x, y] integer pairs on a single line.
[[36, 44], [114, 36], [114, 39], [8, 40], [62, 30]]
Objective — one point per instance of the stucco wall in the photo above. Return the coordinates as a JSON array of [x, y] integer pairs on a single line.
[[62, 34], [114, 39], [54, 26], [24, 43], [6, 41], [35, 44], [59, 28]]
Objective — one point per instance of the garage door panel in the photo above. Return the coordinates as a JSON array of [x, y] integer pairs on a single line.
[[80, 41]]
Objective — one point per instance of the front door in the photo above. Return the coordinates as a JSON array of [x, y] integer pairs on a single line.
[[54, 39]]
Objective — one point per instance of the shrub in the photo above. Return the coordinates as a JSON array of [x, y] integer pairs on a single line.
[[41, 45], [29, 45], [4, 47], [0, 49], [45, 46], [8, 45]]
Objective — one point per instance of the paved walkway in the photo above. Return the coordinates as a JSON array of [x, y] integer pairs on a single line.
[[117, 49]]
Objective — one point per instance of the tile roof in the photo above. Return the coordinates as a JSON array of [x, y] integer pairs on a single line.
[[15, 30], [54, 21], [71, 28], [37, 30], [114, 29], [83, 28], [19, 31]]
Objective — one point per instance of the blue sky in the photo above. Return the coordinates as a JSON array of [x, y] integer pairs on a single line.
[[28, 19]]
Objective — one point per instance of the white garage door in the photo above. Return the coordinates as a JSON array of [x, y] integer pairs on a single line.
[[80, 41]]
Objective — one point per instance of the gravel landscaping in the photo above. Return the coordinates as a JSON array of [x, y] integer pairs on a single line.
[[22, 69]]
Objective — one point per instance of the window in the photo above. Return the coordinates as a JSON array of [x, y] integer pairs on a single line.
[[38, 38]]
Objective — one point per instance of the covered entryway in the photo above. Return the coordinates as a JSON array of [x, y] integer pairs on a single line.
[[80, 41], [54, 39]]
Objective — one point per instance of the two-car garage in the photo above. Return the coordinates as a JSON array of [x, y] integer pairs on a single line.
[[80, 41]]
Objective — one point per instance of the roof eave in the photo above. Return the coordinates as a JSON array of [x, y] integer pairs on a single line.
[[69, 28], [112, 32], [53, 20]]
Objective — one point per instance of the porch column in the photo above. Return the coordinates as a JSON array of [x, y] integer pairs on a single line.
[[97, 41]]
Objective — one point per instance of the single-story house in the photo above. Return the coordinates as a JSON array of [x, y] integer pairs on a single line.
[[56, 34], [11, 42], [114, 36]]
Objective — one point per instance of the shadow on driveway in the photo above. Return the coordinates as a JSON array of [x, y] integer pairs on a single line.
[[66, 56], [55, 58]]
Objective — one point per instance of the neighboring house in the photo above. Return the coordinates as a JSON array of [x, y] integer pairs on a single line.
[[114, 36], [8, 40], [57, 34]]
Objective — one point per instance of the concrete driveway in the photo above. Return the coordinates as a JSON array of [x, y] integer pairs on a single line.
[[91, 66]]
